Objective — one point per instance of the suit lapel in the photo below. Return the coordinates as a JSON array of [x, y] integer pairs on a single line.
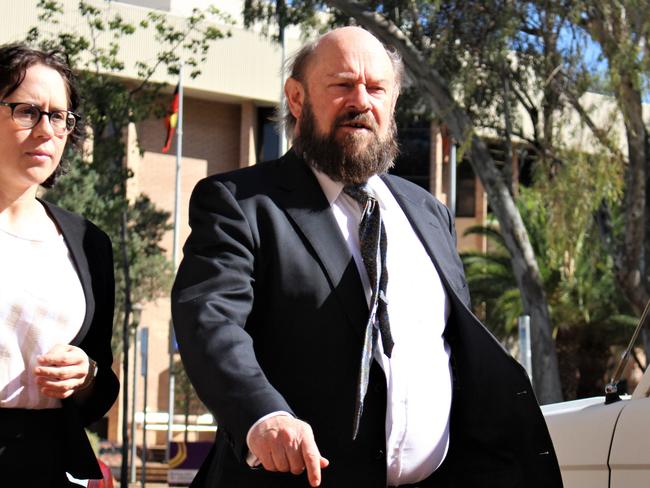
[[302, 198], [431, 231], [73, 233]]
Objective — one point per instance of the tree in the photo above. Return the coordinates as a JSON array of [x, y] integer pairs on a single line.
[[622, 34], [549, 75]]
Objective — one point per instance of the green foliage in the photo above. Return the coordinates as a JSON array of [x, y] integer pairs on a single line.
[[574, 191], [577, 273], [270, 14], [587, 308], [96, 185], [492, 283]]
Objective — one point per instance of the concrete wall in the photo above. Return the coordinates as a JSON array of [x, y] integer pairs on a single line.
[[245, 65]]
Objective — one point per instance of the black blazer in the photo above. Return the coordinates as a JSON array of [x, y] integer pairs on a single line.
[[269, 312], [93, 257]]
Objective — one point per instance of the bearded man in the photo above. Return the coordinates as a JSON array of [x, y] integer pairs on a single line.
[[323, 316]]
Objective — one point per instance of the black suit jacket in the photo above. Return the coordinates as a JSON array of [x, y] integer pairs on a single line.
[[93, 258], [269, 313]]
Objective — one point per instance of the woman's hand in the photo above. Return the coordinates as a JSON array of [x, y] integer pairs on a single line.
[[62, 371]]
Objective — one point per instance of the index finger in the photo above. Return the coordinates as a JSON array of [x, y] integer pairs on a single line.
[[312, 459]]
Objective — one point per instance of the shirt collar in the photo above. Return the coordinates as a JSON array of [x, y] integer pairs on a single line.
[[333, 189]]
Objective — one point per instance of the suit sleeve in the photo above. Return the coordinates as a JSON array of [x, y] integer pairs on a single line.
[[212, 298]]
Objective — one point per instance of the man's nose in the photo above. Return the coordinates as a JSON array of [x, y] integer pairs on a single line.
[[358, 98]]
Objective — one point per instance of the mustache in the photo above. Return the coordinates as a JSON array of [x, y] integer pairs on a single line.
[[354, 117]]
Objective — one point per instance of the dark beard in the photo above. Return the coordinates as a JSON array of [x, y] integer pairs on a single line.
[[343, 160]]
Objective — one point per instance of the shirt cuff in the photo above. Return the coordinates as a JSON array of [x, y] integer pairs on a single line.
[[251, 459]]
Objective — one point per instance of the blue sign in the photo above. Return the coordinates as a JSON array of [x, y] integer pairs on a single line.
[[144, 350]]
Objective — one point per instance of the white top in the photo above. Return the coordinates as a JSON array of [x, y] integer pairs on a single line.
[[418, 373], [42, 304]]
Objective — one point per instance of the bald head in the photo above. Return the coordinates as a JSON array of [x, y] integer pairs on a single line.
[[352, 37], [351, 40]]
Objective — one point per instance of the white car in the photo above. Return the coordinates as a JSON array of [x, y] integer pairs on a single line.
[[604, 445]]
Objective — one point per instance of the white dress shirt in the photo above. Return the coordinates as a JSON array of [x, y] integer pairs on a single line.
[[418, 373]]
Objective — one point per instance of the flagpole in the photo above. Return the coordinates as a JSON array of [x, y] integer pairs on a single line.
[[282, 137], [175, 253]]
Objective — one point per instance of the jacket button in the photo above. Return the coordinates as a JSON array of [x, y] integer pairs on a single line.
[[379, 456]]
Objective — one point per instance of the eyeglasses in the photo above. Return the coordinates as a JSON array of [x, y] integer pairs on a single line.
[[28, 115]]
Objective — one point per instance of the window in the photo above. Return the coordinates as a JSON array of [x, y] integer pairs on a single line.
[[465, 190], [413, 162], [268, 139]]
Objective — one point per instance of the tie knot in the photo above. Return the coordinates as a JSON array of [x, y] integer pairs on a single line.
[[360, 193]]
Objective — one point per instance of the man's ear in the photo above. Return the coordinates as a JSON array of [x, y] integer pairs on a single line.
[[394, 101], [295, 93]]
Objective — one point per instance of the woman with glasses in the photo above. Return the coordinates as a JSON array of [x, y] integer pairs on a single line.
[[56, 285]]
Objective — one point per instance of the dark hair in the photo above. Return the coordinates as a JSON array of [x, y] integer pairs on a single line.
[[15, 60], [296, 68]]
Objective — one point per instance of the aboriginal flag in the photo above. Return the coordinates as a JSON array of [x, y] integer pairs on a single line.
[[171, 119]]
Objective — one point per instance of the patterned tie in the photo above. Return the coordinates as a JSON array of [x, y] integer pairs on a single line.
[[372, 243]]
